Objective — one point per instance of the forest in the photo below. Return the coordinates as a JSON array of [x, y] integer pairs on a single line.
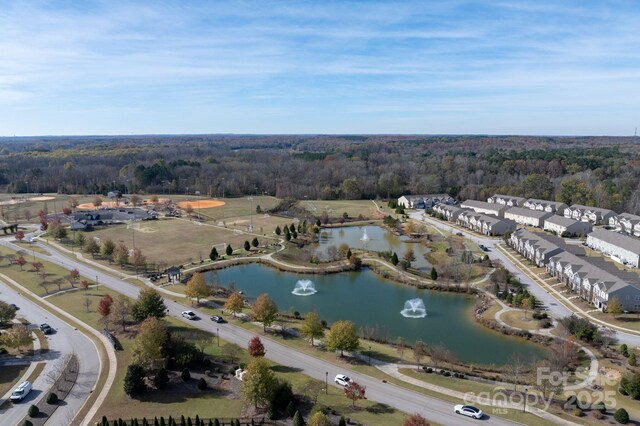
[[601, 171]]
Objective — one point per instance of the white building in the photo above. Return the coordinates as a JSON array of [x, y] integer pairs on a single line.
[[424, 201], [594, 215], [620, 247], [506, 200], [450, 213], [545, 206], [627, 223], [484, 224], [560, 224], [484, 208], [527, 217]]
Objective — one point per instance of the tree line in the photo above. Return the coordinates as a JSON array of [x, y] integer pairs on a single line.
[[597, 170]]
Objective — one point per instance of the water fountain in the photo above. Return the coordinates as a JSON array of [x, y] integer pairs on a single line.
[[304, 288], [365, 238], [414, 308]]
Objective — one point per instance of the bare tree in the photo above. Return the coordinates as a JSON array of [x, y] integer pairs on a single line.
[[515, 368]]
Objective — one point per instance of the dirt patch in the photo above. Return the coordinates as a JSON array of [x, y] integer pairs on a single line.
[[43, 198], [104, 205], [201, 204]]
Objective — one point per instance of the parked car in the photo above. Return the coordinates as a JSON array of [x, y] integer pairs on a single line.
[[21, 391], [342, 380], [13, 305], [46, 328], [218, 319], [189, 315], [484, 248], [469, 411], [459, 234]]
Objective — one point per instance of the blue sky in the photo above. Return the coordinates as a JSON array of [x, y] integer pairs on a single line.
[[431, 67]]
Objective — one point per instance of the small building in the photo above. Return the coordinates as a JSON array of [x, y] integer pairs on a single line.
[[527, 217], [554, 207], [424, 201], [506, 200], [174, 274], [594, 215], [563, 226], [620, 247], [495, 209]]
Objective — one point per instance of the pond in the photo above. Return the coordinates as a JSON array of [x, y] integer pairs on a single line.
[[374, 238], [370, 301]]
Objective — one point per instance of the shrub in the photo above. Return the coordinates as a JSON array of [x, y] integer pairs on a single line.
[[621, 416], [291, 409], [429, 370], [27, 423], [577, 412], [597, 415], [342, 421], [185, 375], [160, 379], [52, 398], [299, 421], [446, 374], [600, 408], [34, 411], [202, 383], [282, 395]]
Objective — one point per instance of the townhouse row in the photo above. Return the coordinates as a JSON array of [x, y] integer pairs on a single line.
[[591, 279]]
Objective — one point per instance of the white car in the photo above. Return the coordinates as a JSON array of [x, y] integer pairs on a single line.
[[189, 315], [342, 380], [469, 411], [21, 391]]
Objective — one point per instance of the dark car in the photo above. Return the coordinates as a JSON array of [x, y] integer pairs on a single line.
[[13, 305], [459, 234], [217, 319], [46, 328]]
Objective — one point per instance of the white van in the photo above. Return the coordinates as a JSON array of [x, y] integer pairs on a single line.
[[21, 391]]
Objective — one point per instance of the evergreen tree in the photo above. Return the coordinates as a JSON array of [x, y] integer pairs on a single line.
[[434, 273], [394, 259], [214, 254], [229, 250], [134, 381]]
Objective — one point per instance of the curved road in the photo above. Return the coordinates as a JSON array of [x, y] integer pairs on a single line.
[[554, 307], [65, 340], [402, 399]]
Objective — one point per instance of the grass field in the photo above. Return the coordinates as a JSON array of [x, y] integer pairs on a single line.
[[518, 319], [336, 208], [176, 241], [30, 279]]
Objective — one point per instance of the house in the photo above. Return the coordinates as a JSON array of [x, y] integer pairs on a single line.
[[594, 215], [506, 200], [484, 224], [592, 279], [593, 282], [564, 226], [620, 247], [627, 223], [545, 206], [494, 209], [449, 213], [536, 247], [527, 217], [424, 201]]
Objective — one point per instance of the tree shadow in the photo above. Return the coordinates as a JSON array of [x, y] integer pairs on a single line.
[[285, 369]]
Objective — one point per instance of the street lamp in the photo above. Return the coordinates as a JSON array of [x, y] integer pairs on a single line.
[[326, 383], [96, 282], [218, 334], [524, 407], [369, 355]]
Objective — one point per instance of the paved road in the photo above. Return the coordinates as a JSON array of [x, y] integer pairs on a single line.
[[402, 399], [64, 341], [554, 307]]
